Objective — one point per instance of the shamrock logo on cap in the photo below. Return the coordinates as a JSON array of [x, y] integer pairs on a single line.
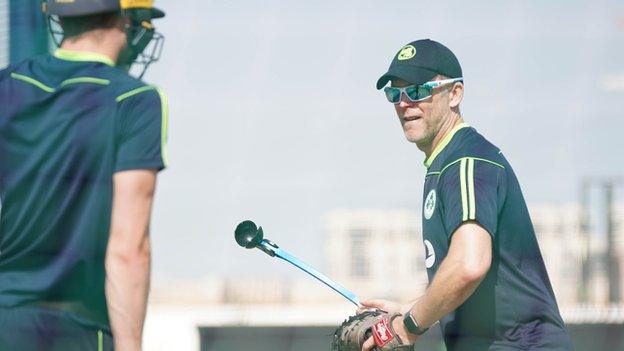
[[406, 53]]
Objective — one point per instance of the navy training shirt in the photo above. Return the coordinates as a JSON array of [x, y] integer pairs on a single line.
[[514, 307], [68, 122]]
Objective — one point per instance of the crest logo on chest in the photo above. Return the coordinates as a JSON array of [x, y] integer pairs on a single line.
[[430, 204]]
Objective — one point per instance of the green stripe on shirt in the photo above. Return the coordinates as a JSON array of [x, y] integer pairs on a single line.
[[48, 89], [33, 81], [471, 193], [463, 188], [164, 131], [136, 91]]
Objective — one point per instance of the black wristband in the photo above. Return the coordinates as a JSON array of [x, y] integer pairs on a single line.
[[412, 325]]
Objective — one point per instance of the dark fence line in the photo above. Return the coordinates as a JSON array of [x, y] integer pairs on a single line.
[[586, 337]]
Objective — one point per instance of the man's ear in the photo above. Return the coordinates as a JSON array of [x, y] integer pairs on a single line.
[[456, 95]]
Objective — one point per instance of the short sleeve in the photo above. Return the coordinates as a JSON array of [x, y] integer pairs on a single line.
[[142, 130], [472, 190]]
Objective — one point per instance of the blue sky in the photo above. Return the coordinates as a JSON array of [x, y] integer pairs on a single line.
[[274, 114]]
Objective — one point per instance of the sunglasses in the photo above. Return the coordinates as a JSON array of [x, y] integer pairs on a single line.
[[416, 92]]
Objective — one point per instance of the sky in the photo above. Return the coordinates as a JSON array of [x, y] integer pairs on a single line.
[[275, 116]]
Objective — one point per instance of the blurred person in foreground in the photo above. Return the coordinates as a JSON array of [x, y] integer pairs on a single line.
[[81, 142], [488, 288]]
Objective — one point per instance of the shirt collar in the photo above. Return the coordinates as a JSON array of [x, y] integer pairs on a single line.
[[443, 143], [83, 56]]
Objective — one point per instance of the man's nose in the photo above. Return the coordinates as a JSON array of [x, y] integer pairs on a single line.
[[405, 101]]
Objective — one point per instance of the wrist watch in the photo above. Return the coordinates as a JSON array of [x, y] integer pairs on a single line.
[[412, 325]]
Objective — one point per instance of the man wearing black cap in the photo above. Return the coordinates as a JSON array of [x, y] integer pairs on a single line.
[[81, 143], [488, 285]]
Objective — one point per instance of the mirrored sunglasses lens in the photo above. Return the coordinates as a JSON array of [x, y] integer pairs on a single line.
[[423, 92], [412, 93], [393, 94]]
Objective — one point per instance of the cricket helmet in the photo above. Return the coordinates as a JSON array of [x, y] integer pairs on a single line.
[[144, 42]]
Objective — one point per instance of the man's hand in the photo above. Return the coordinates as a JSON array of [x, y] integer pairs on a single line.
[[397, 324], [384, 305], [353, 333]]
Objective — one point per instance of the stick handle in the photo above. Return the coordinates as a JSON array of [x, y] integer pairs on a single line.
[[273, 250]]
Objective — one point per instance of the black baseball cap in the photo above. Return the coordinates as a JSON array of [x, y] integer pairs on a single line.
[[421, 60]]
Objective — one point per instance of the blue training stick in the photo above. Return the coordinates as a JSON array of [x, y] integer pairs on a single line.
[[249, 236]]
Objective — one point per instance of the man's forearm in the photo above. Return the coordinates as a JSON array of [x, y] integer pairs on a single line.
[[450, 287], [460, 273], [127, 287]]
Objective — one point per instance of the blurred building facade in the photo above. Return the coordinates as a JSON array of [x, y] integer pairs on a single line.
[[577, 253], [377, 252], [362, 244], [369, 251]]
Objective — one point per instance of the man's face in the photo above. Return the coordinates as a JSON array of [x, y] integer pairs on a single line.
[[422, 120]]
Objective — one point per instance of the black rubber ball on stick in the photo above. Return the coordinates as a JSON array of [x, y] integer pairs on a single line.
[[248, 235]]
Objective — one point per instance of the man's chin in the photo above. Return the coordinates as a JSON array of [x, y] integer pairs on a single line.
[[413, 137], [422, 143]]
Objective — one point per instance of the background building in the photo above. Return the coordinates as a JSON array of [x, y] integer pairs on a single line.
[[369, 249], [570, 247], [374, 253], [362, 244]]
